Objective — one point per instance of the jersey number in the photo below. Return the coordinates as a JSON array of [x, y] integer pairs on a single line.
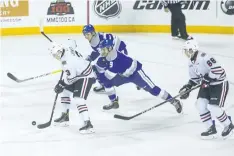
[[68, 73], [211, 61], [111, 64]]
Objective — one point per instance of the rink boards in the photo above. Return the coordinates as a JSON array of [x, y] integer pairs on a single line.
[[22, 17]]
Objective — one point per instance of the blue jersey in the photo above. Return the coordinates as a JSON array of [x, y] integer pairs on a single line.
[[119, 45], [121, 64]]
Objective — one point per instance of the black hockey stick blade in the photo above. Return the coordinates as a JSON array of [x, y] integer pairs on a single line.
[[123, 117], [11, 76], [45, 125]]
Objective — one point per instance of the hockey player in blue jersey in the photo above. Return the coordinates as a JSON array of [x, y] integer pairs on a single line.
[[94, 39], [121, 69]]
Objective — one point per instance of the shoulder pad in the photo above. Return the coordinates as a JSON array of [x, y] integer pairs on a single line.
[[203, 54]]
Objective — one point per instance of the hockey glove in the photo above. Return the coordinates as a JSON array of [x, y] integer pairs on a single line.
[[206, 81], [166, 10], [59, 87], [186, 88]]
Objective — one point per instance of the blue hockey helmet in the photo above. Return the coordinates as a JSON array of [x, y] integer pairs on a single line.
[[88, 29], [106, 46], [106, 43]]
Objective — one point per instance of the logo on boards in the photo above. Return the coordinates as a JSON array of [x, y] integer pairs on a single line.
[[14, 8], [61, 11], [227, 6], [107, 8], [185, 5]]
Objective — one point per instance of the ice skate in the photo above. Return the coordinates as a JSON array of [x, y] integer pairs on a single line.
[[63, 120], [113, 105], [178, 105], [189, 38], [211, 133], [228, 130], [99, 89], [176, 37], [87, 128]]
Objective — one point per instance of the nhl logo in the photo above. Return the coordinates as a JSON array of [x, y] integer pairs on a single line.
[[227, 6], [107, 8]]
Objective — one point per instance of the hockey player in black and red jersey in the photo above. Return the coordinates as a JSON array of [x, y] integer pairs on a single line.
[[75, 86], [205, 69]]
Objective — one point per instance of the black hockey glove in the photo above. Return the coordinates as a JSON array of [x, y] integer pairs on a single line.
[[206, 81], [59, 87], [186, 88]]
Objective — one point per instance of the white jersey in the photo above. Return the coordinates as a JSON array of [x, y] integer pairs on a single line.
[[205, 64], [75, 66]]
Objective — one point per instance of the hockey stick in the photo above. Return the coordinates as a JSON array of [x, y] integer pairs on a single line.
[[14, 78], [42, 30], [47, 124], [149, 109]]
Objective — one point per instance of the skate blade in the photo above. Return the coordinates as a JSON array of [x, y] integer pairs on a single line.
[[63, 124], [111, 109], [210, 137], [229, 135], [175, 38], [88, 131]]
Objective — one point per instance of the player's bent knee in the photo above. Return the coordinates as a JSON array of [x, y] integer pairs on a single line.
[[213, 107], [201, 105], [110, 90], [78, 101], [66, 93]]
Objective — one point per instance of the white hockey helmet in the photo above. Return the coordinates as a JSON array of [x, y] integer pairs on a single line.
[[57, 50], [189, 48]]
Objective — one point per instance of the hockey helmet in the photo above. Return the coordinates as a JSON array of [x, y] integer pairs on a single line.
[[106, 46], [57, 50], [189, 48], [88, 31]]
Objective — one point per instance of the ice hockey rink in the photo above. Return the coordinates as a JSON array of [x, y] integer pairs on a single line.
[[160, 132]]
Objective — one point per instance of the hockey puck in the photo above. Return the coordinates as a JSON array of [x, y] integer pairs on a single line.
[[34, 123]]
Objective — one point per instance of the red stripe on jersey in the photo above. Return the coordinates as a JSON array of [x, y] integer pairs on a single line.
[[88, 71], [84, 87], [217, 71]]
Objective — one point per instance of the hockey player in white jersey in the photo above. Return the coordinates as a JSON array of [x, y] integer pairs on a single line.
[[205, 69], [75, 86]]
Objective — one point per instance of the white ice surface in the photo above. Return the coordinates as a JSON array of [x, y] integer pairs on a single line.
[[160, 132]]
